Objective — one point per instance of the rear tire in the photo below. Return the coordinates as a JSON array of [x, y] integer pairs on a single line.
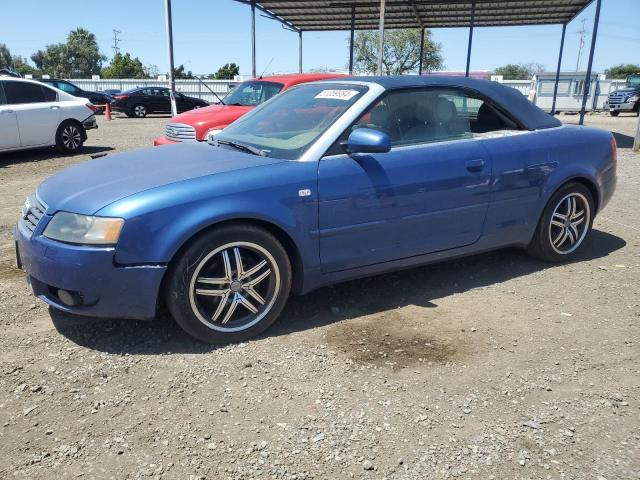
[[229, 284], [564, 225], [70, 137], [139, 111]]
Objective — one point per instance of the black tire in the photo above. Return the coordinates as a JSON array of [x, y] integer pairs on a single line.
[[139, 110], [614, 113], [70, 137], [544, 244], [203, 264]]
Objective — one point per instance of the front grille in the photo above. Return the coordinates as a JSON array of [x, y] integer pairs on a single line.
[[179, 132], [33, 211], [616, 98]]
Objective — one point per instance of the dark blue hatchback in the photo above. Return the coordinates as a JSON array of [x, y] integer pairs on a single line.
[[326, 182]]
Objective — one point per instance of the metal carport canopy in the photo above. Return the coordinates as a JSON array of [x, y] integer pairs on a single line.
[[336, 14]]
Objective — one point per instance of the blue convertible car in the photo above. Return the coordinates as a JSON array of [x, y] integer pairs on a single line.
[[326, 182]]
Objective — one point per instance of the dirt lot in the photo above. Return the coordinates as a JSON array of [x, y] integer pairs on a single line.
[[497, 366]]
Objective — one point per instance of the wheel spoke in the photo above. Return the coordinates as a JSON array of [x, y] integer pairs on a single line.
[[569, 234], [254, 294], [246, 303], [227, 264], [577, 215], [220, 307], [239, 267], [577, 222], [559, 240], [574, 231], [255, 269], [559, 217], [231, 309], [212, 281], [211, 293], [259, 278], [557, 223]]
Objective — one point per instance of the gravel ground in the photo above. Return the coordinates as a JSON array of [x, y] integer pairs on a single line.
[[496, 366]]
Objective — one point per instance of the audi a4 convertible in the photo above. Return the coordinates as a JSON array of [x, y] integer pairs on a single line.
[[327, 182]]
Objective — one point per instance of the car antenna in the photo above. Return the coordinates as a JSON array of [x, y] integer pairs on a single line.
[[265, 69]]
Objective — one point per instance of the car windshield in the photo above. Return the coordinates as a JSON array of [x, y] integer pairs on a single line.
[[252, 93], [633, 80], [287, 125]]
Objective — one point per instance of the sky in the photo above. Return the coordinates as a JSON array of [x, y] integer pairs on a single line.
[[210, 33]]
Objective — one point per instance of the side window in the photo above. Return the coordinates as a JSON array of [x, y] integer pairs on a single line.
[[23, 92], [67, 87], [146, 91], [50, 95]]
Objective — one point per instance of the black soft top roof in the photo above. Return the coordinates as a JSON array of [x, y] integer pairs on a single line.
[[510, 99]]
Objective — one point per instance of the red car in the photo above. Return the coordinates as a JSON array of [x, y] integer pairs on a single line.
[[197, 124]]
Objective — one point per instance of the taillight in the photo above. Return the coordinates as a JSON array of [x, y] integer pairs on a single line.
[[614, 150], [91, 106], [121, 97]]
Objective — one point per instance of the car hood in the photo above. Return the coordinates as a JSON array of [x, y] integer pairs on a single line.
[[90, 186], [213, 116], [628, 90]]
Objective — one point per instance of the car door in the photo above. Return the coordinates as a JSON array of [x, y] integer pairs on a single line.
[[161, 100], [9, 133], [430, 192], [37, 111]]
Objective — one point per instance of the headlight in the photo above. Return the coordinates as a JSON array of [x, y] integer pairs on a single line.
[[83, 229], [634, 98]]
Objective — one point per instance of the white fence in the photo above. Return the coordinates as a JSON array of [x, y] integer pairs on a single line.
[[193, 88]]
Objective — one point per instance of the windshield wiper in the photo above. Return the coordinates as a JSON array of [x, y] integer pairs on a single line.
[[243, 147]]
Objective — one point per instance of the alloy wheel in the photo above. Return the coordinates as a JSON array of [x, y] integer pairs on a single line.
[[140, 110], [234, 286], [569, 224], [71, 137]]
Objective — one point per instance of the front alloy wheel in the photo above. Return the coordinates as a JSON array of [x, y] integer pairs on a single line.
[[230, 284]]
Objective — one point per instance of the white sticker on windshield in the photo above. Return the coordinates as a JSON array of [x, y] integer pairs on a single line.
[[337, 94]]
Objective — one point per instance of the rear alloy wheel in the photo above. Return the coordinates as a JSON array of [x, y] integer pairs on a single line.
[[69, 137], [139, 111], [230, 284], [565, 223]]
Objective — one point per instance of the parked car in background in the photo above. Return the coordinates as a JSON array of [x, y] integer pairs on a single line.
[[139, 102], [35, 115], [327, 182], [111, 91], [96, 98], [625, 99], [196, 125]]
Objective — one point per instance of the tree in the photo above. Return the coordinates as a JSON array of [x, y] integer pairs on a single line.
[[227, 72], [520, 71], [123, 66], [401, 52], [180, 73], [6, 60], [622, 71], [78, 57]]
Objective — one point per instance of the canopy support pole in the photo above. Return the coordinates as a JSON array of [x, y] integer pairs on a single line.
[[587, 80], [253, 38], [381, 38], [172, 80], [473, 19], [555, 87], [421, 50], [353, 30], [299, 51]]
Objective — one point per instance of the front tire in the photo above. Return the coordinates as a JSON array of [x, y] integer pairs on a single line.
[[565, 224], [70, 137], [230, 284], [614, 113]]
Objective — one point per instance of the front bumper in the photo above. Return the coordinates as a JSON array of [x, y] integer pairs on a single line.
[[620, 107], [105, 289], [163, 141]]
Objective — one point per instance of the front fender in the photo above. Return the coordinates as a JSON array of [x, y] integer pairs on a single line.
[[160, 221]]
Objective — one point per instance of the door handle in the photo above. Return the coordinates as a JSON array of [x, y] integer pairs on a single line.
[[54, 107], [6, 111], [475, 165]]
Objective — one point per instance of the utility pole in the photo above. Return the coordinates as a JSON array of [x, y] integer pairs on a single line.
[[583, 34], [116, 40]]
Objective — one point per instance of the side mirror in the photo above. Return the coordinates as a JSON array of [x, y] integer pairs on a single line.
[[367, 140]]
